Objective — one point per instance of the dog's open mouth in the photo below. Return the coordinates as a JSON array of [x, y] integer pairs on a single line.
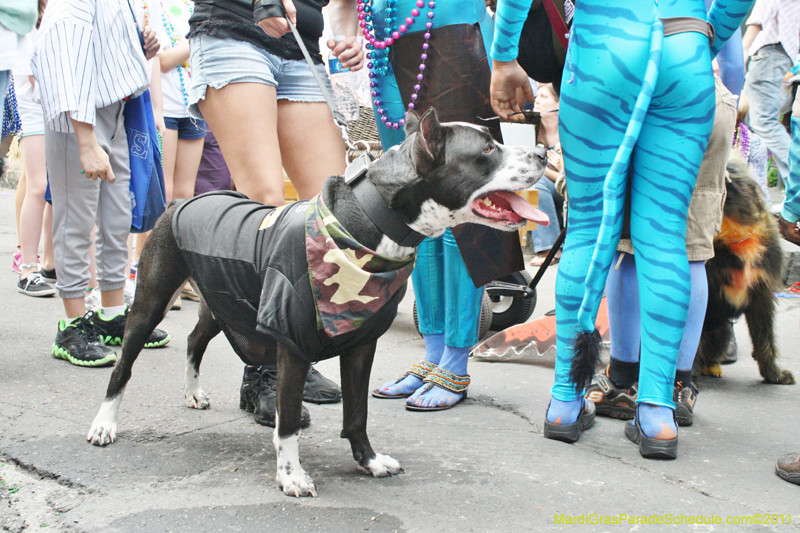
[[504, 206]]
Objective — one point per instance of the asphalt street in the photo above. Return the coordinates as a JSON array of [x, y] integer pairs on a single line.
[[482, 466]]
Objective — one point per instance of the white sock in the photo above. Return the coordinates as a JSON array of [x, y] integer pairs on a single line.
[[107, 313]]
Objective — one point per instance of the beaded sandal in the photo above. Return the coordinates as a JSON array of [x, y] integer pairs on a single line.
[[421, 370], [446, 380]]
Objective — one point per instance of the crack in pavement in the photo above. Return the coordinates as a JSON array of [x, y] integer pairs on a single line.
[[48, 475]]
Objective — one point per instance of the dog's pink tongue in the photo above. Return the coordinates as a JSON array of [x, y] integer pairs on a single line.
[[521, 207]]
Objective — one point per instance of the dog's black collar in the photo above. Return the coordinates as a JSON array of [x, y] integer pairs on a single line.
[[384, 217]]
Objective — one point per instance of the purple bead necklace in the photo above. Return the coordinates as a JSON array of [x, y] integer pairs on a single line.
[[374, 45], [741, 138]]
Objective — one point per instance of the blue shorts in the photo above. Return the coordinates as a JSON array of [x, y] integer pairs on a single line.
[[189, 129], [218, 62]]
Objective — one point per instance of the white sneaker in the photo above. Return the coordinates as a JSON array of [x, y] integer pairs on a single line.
[[93, 302], [130, 292]]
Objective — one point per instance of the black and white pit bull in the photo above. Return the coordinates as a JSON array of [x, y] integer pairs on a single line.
[[319, 278]]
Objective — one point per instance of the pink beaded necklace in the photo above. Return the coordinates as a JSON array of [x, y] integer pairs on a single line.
[[374, 45]]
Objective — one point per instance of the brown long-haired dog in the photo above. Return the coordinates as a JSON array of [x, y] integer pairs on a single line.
[[743, 276]]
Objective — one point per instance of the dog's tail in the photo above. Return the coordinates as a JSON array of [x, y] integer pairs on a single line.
[[587, 343]]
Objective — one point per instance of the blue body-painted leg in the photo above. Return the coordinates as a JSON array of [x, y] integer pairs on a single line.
[[428, 279], [695, 316], [680, 115], [462, 304]]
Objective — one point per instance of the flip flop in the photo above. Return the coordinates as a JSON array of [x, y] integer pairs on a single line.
[[382, 395], [426, 388], [421, 370]]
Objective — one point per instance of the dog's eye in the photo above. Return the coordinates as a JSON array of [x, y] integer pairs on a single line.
[[489, 149]]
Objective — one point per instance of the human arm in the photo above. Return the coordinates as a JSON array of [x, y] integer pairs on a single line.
[[156, 96], [343, 18], [726, 16], [507, 75], [94, 160], [172, 57], [747, 40], [271, 16]]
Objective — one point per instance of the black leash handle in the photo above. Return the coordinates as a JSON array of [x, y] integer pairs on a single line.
[[549, 259]]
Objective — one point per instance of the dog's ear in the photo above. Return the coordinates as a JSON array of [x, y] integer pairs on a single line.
[[412, 122], [429, 143]]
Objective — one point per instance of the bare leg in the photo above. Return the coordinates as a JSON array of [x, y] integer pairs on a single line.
[[243, 117], [169, 154], [295, 120], [48, 258], [31, 215], [186, 164], [19, 197]]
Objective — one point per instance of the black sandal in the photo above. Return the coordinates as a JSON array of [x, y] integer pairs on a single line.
[[570, 433], [651, 448]]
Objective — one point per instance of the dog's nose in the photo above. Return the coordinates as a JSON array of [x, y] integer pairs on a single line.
[[540, 152]]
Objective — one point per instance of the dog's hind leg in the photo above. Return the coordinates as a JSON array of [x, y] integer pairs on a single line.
[[162, 272], [205, 330], [355, 370], [760, 316], [292, 371], [715, 338]]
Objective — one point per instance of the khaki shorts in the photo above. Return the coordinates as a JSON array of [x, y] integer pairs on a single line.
[[705, 209]]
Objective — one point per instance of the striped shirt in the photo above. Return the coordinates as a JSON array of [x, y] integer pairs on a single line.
[[780, 24], [87, 56]]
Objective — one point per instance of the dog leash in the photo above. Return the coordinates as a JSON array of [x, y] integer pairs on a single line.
[[369, 198], [338, 117]]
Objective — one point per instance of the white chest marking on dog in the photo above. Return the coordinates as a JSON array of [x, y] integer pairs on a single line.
[[434, 218], [195, 397], [382, 466], [104, 425], [291, 477], [389, 248]]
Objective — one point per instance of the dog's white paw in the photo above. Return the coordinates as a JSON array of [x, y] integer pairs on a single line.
[[102, 432], [296, 482], [104, 425], [197, 399], [382, 466]]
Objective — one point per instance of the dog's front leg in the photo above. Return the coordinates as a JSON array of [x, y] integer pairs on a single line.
[[291, 477], [355, 370], [760, 318], [205, 330]]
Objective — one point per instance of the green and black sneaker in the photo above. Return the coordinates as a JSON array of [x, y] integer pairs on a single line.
[[79, 343], [112, 330]]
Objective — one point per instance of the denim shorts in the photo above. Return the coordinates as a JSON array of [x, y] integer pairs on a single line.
[[189, 129], [218, 62]]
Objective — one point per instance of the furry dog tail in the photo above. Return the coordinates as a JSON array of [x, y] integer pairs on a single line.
[[585, 360]]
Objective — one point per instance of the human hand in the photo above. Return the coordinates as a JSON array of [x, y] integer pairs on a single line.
[[507, 77], [160, 125], [278, 26], [95, 163], [789, 75], [151, 44], [348, 52], [554, 158]]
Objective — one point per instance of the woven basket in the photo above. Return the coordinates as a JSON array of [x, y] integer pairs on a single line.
[[364, 130]]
